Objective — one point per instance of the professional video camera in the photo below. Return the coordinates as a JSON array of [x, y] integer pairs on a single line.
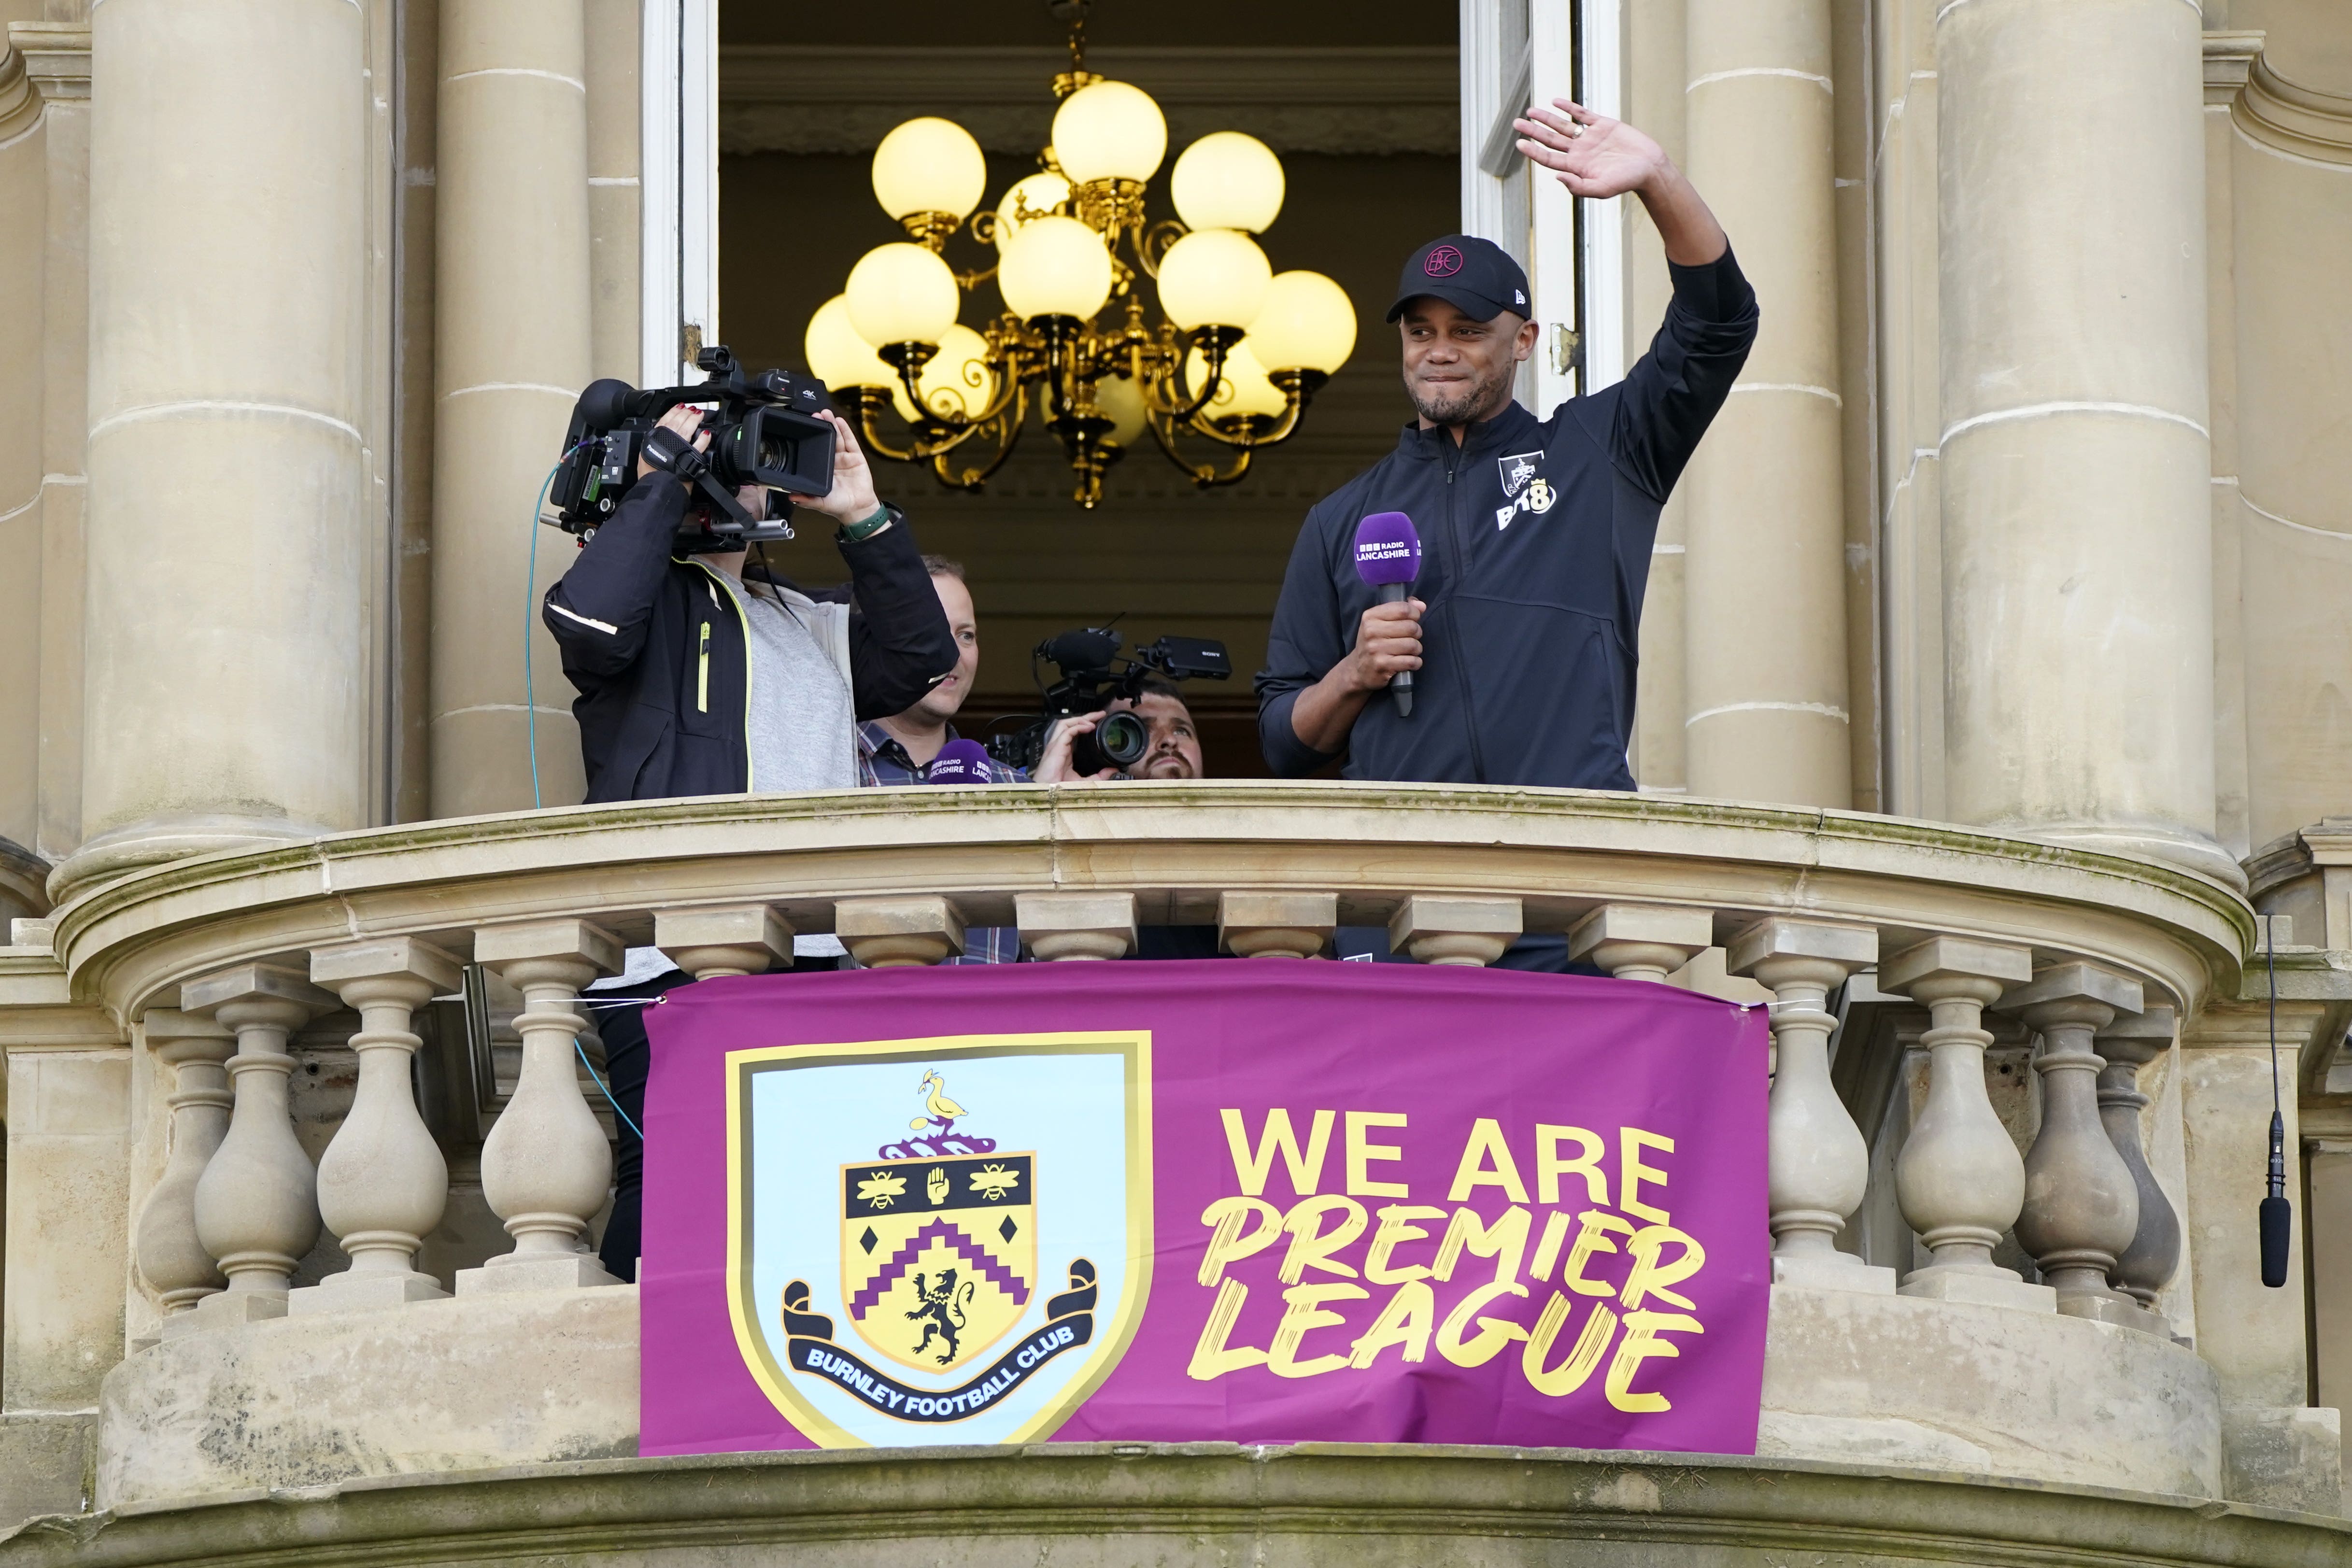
[[1090, 684], [764, 431]]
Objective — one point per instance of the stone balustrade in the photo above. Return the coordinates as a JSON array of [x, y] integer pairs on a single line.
[[235, 975]]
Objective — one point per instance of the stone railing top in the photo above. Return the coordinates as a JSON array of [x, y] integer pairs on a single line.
[[1176, 845]]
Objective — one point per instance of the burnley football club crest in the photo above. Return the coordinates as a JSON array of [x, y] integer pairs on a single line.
[[970, 1276]]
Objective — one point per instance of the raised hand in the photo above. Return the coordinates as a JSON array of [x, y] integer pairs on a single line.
[[851, 499], [1599, 157], [1593, 154]]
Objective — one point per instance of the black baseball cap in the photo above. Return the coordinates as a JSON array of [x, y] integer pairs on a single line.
[[1475, 276]]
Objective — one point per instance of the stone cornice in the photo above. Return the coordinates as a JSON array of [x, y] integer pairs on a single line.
[[2299, 121], [1357, 98], [2228, 57], [56, 58]]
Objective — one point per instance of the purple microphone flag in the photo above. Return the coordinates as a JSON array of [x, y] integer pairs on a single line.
[[1388, 548], [958, 762]]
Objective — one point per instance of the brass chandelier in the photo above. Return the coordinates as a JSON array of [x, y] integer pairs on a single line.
[[1234, 359]]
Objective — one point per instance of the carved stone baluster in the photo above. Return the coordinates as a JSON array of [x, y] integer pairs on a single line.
[[1960, 1178], [257, 1209], [546, 1168], [898, 933], [1448, 928], [1641, 941], [171, 1260], [2082, 1207], [2128, 1044], [712, 944], [1819, 1166], [382, 1183], [1276, 924], [1060, 927]]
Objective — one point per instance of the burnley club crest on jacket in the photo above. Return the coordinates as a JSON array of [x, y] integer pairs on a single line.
[[968, 1276]]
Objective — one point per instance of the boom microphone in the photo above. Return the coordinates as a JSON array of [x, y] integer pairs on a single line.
[[958, 762], [1388, 558]]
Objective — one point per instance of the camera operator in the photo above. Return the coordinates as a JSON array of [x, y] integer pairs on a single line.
[[1172, 752], [697, 677]]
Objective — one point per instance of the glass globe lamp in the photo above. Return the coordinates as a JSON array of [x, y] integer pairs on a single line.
[[1227, 180], [1213, 278], [1054, 267], [930, 170], [1027, 200], [901, 293], [1109, 131], [1305, 324], [956, 383], [1243, 389], [837, 356], [1121, 401]]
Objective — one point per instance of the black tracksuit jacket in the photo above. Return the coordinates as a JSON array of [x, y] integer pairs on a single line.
[[1536, 537], [657, 648]]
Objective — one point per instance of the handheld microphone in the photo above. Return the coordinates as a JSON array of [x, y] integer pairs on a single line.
[[1388, 558], [958, 762]]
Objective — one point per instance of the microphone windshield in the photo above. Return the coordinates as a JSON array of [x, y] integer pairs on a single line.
[[958, 762], [1388, 549]]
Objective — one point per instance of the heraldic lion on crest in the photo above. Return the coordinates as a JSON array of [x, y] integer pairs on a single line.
[[940, 1309]]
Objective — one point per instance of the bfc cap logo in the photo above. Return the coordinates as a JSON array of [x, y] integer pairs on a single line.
[[1443, 261]]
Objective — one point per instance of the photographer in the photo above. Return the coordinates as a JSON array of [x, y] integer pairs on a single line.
[[696, 677], [1173, 750]]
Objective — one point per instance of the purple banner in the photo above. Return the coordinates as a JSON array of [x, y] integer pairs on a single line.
[[1250, 1201]]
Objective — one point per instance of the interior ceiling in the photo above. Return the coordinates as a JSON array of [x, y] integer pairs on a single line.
[[1126, 23], [1368, 146]]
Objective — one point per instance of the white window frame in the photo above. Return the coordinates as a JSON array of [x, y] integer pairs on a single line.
[[679, 78], [1568, 264]]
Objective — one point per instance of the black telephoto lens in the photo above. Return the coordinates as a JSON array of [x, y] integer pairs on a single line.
[[1119, 741]]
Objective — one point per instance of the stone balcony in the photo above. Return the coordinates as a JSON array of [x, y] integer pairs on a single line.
[[1965, 1025]]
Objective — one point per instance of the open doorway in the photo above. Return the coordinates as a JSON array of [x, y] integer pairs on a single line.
[[1362, 102]]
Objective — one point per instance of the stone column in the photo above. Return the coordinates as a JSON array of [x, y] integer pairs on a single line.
[[1765, 599], [1276, 924], [2077, 540], [900, 932], [2293, 174], [2126, 1045], [1453, 930], [257, 1203], [512, 352], [171, 1258], [1076, 927], [1641, 941], [1960, 1178], [713, 943], [24, 194], [227, 535], [546, 1168], [1819, 1167], [2082, 1207], [382, 1183]]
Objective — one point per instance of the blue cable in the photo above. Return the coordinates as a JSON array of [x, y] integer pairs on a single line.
[[615, 1104]]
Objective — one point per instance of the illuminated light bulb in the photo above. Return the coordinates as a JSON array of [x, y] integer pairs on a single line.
[[1305, 324], [1027, 200], [1054, 267], [957, 380], [929, 165], [901, 293], [837, 356], [1121, 401], [1109, 131], [1212, 278], [1227, 180], [1243, 388]]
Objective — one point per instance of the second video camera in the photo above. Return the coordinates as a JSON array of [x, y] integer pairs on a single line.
[[764, 432], [1092, 677]]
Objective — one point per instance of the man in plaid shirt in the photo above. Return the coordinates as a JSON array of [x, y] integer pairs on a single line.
[[899, 749]]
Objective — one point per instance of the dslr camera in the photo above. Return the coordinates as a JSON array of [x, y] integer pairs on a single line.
[[764, 431], [1093, 676]]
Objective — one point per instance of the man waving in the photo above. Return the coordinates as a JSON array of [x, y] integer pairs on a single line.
[[1535, 533]]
